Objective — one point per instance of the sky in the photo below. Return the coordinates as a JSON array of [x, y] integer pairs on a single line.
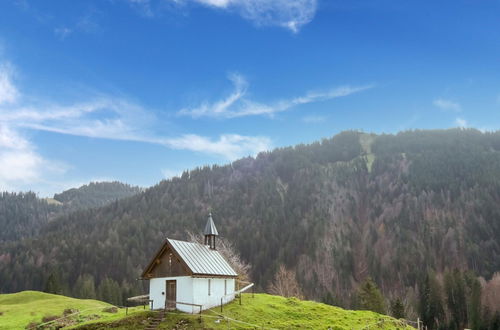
[[141, 90]]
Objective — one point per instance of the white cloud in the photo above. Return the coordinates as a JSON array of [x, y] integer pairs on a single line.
[[20, 164], [169, 173], [118, 119], [447, 105], [103, 117], [229, 146], [237, 105], [460, 122], [8, 92], [288, 14]]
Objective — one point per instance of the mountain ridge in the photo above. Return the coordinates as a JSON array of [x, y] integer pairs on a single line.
[[426, 204]]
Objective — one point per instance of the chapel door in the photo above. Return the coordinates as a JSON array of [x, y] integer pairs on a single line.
[[171, 294]]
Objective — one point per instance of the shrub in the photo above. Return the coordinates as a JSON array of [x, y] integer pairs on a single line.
[[111, 309], [48, 318], [69, 311]]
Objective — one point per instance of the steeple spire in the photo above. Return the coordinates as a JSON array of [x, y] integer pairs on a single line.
[[210, 232]]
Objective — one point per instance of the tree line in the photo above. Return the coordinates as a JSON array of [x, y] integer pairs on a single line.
[[390, 207]]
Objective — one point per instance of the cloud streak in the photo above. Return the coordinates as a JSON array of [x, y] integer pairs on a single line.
[[288, 14], [238, 105], [103, 117], [8, 92], [230, 146], [447, 105]]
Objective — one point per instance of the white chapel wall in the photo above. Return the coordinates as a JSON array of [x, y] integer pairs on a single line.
[[201, 294], [157, 286]]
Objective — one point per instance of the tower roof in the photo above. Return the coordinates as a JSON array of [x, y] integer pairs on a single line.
[[210, 227]]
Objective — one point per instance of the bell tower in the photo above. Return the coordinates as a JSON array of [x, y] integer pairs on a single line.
[[210, 232]]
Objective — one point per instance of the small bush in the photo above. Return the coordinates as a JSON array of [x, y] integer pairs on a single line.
[[48, 318], [1, 313], [69, 311], [111, 309]]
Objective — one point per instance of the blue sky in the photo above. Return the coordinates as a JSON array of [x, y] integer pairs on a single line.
[[138, 90]]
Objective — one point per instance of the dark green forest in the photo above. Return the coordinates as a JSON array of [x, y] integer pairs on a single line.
[[417, 213], [23, 214]]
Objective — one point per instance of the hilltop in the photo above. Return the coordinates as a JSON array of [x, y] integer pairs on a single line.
[[262, 311], [18, 310]]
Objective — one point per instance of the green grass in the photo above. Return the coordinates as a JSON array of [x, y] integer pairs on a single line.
[[287, 313], [263, 311], [17, 310]]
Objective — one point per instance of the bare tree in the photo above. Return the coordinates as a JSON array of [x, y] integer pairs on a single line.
[[228, 251], [491, 293], [285, 284]]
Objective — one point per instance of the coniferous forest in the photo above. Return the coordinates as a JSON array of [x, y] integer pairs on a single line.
[[405, 224]]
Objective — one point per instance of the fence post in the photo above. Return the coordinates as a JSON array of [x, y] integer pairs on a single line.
[[240, 297], [221, 304]]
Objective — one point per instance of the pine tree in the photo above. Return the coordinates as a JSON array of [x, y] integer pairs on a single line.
[[370, 297], [455, 299], [397, 309], [474, 302], [110, 291], [52, 285], [431, 302], [85, 287]]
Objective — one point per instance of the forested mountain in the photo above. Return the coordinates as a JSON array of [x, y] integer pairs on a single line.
[[23, 214], [404, 209], [95, 194]]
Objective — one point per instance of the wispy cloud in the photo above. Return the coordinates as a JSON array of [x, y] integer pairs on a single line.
[[19, 162], [447, 105], [230, 146], [170, 173], [288, 14], [87, 24], [105, 117], [62, 32], [460, 122], [8, 92], [238, 105], [21, 165]]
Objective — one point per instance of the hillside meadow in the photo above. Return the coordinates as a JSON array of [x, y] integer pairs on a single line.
[[265, 311], [19, 310]]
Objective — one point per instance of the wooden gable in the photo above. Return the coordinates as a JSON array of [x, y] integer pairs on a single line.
[[166, 264]]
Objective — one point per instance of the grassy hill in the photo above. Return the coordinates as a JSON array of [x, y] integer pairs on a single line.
[[263, 312], [18, 310]]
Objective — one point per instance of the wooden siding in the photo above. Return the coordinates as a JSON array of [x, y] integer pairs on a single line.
[[168, 265]]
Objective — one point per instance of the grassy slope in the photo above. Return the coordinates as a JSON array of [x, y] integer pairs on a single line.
[[366, 141], [269, 312], [20, 309]]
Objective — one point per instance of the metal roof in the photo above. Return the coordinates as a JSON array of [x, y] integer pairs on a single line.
[[201, 259], [210, 227]]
